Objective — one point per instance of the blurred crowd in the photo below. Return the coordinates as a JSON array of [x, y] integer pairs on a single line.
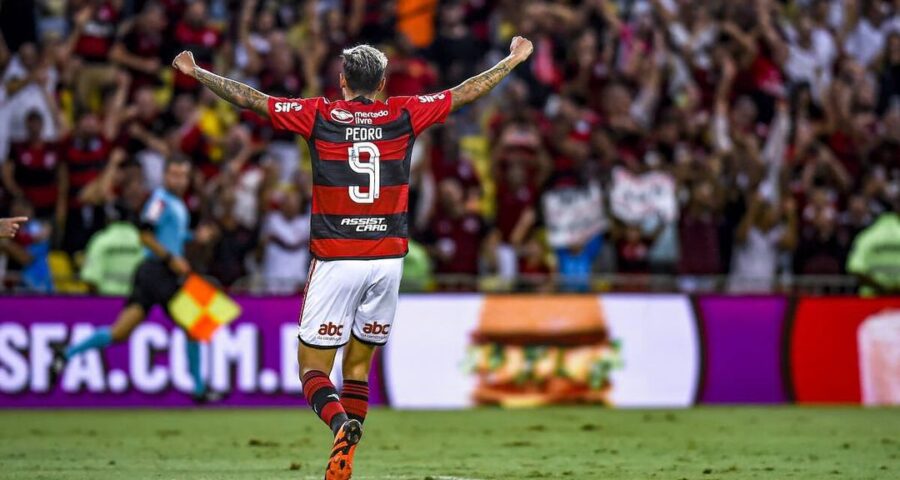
[[724, 144]]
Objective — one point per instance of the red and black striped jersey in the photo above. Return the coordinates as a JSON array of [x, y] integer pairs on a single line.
[[360, 153]]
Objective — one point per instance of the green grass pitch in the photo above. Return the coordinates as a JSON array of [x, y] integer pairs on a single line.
[[579, 443]]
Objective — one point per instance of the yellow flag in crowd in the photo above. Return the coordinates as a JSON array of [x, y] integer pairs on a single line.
[[201, 308]]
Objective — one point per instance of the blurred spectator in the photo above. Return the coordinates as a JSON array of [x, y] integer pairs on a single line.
[[417, 269], [90, 42], [535, 272], [34, 170], [409, 74], [633, 248], [86, 152], [457, 237], [822, 252], [875, 257], [195, 32], [765, 230], [33, 240], [285, 245], [113, 254], [29, 82], [699, 231], [139, 45]]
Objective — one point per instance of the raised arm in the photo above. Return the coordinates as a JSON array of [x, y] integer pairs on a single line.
[[477, 86], [237, 93]]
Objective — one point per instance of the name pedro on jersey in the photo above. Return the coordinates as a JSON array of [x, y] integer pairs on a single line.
[[366, 224], [362, 134]]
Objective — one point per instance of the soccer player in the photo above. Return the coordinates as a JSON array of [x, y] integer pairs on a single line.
[[360, 150], [10, 226], [164, 224]]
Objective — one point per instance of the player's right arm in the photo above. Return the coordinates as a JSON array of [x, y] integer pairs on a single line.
[[150, 215], [476, 87], [236, 93]]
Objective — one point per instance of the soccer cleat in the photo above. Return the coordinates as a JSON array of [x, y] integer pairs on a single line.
[[208, 396], [340, 465], [58, 363]]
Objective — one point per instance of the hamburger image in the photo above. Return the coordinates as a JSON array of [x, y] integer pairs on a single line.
[[542, 350]]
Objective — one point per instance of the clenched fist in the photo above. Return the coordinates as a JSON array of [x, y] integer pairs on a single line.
[[184, 63], [520, 48]]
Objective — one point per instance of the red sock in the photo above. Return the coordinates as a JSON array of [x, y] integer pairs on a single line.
[[323, 398], [355, 399]]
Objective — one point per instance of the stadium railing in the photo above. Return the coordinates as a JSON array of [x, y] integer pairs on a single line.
[[727, 284], [785, 284]]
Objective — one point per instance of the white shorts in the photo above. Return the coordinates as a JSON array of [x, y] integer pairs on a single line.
[[350, 297]]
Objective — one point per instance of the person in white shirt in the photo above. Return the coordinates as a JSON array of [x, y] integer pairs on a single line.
[[811, 54], [762, 234], [285, 240]]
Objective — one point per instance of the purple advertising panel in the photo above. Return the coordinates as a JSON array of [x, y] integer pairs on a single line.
[[743, 340], [254, 358]]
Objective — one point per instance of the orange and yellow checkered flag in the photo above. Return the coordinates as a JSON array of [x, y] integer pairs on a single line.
[[201, 308]]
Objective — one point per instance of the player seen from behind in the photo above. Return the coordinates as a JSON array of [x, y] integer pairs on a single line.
[[360, 149]]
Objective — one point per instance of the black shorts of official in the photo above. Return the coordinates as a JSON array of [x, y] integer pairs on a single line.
[[154, 284]]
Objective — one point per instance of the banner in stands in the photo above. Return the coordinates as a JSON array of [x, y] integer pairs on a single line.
[[255, 358], [743, 344], [635, 198], [573, 215], [454, 351], [846, 350]]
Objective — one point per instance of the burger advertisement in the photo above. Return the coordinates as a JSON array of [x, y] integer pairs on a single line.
[[558, 350]]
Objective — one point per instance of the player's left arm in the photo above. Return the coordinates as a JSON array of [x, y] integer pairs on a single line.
[[237, 93], [476, 87]]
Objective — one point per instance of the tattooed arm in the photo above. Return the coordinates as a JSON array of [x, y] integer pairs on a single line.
[[234, 92], [477, 86]]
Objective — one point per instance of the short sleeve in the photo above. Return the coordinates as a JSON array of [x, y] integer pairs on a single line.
[[294, 114], [153, 210], [426, 110]]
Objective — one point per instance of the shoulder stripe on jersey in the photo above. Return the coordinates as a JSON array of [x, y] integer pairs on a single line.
[[336, 132], [339, 174], [358, 227]]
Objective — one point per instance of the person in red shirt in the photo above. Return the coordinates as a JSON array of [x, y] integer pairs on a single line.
[[360, 151], [91, 41], [455, 236], [194, 33], [138, 46], [85, 154], [34, 171], [409, 74]]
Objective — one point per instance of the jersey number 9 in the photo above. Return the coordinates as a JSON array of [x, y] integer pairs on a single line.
[[370, 168]]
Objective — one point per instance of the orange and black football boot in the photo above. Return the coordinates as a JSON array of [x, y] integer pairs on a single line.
[[340, 465]]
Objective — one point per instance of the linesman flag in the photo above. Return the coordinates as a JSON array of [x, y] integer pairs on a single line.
[[201, 308]]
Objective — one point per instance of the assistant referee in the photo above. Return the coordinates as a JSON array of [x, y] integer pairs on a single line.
[[164, 224]]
